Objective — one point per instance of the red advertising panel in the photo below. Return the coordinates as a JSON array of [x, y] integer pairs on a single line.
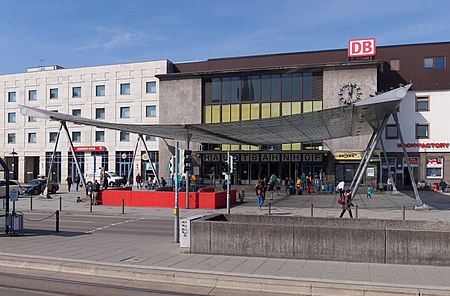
[[88, 148], [363, 47]]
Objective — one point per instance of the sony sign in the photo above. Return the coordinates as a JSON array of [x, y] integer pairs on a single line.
[[363, 47]]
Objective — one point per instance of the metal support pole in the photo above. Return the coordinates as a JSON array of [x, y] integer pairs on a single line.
[[188, 141], [45, 193], [72, 149], [60, 204], [404, 213], [123, 206], [150, 160], [90, 205], [31, 202], [228, 183], [358, 170], [369, 156], [270, 208], [132, 162], [356, 211], [419, 202], [394, 189], [242, 195], [57, 221], [312, 210], [176, 226]]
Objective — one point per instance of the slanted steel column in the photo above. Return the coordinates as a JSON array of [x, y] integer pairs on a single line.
[[45, 193], [394, 188], [372, 138], [6, 170], [419, 202], [132, 162], [150, 159], [63, 123], [369, 156]]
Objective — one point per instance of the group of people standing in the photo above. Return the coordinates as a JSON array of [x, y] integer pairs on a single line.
[[262, 186]]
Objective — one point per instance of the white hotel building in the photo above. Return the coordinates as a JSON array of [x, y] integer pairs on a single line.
[[122, 93]]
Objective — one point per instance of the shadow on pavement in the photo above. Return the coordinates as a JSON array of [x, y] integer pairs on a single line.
[[433, 199], [45, 232]]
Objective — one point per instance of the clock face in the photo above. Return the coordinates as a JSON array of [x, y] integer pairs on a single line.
[[349, 93]]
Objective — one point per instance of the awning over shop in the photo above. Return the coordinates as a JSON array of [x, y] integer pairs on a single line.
[[356, 119]]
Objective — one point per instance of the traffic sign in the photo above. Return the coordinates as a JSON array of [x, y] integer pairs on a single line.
[[14, 195]]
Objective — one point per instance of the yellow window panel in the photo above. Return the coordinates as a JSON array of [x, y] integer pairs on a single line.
[[254, 147], [285, 146], [265, 110], [286, 109], [225, 147], [215, 114], [226, 113], [245, 109], [234, 147], [275, 109], [255, 111], [235, 112], [296, 107], [296, 146], [307, 106], [245, 147], [207, 114], [317, 105]]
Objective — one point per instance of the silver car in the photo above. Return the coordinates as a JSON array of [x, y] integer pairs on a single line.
[[13, 184]]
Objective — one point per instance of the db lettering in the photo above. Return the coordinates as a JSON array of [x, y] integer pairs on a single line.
[[361, 47]]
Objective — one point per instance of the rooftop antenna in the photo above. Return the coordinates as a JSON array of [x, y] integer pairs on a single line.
[[41, 64]]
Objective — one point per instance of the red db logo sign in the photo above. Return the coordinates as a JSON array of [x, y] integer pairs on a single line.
[[364, 47]]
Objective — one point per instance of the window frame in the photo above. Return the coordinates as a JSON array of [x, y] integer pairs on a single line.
[[12, 114], [30, 138], [76, 95], [417, 129], [122, 92], [52, 94], [124, 136], [50, 135], [97, 133], [103, 114], [12, 97], [122, 109], [11, 138], [31, 119], [76, 110], [147, 114], [73, 136], [30, 91], [149, 86], [97, 93], [422, 98], [386, 131]]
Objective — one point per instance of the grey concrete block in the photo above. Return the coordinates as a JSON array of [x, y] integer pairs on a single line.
[[201, 237]]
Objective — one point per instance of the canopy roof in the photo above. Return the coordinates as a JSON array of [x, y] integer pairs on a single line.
[[353, 120]]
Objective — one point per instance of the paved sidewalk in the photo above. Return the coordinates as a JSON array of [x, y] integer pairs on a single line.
[[155, 256]]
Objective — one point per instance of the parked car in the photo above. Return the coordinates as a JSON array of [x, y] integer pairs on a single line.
[[37, 186], [13, 184]]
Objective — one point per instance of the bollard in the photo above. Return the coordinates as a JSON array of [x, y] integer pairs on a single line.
[[57, 221], [31, 202], [242, 195], [123, 206], [90, 206], [270, 208], [312, 210], [356, 211], [60, 204], [404, 212]]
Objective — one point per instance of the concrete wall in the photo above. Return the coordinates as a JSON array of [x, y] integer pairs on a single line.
[[356, 240], [180, 102]]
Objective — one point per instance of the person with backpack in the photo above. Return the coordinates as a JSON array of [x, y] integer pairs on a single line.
[[264, 186], [259, 194], [271, 188], [347, 206]]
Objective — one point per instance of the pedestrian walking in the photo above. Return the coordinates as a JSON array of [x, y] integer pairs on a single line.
[[278, 186], [347, 206], [369, 191], [259, 194], [264, 186], [77, 181], [69, 182], [163, 182], [340, 188], [303, 179], [271, 187]]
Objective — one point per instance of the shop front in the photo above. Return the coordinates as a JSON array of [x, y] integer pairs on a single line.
[[347, 163]]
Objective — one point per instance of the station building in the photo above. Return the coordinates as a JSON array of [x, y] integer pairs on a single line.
[[234, 89]]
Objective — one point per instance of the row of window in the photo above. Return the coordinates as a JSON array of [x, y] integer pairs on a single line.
[[100, 91], [76, 137], [428, 63], [100, 113], [275, 87], [422, 131]]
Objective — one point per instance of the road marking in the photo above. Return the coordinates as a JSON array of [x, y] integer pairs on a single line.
[[113, 224]]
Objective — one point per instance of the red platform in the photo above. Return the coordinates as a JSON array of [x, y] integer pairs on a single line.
[[205, 198]]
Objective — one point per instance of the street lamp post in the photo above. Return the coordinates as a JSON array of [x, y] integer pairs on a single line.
[[13, 153]]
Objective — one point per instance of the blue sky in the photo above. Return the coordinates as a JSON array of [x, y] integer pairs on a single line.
[[94, 32]]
